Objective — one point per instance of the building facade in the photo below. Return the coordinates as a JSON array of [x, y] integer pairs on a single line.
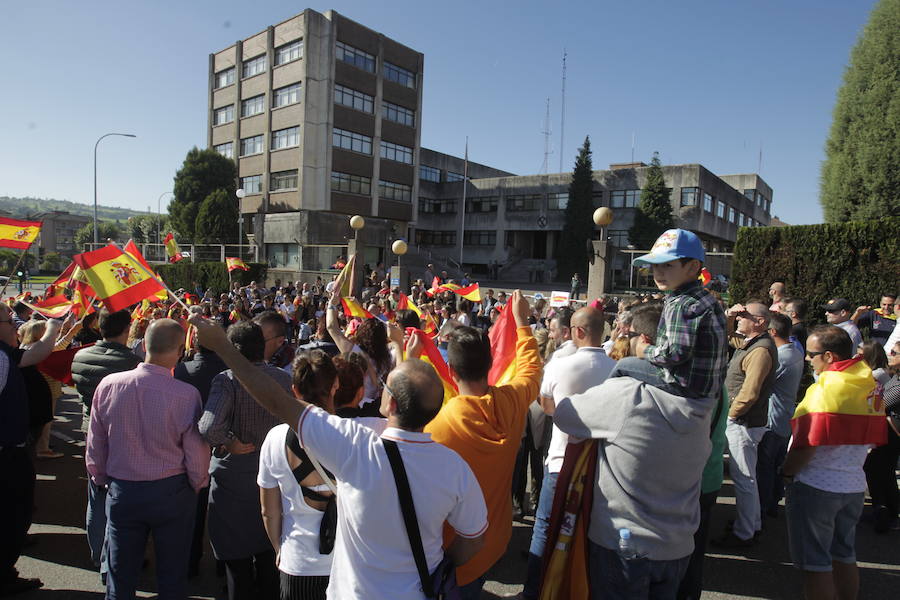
[[58, 232]]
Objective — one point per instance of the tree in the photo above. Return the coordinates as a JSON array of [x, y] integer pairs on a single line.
[[860, 176], [217, 219], [654, 211], [571, 256], [142, 228], [202, 173], [105, 230], [51, 262]]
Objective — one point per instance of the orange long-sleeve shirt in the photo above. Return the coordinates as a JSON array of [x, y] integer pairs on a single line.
[[487, 431]]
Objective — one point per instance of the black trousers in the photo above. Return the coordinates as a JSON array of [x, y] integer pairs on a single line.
[[303, 587], [880, 467], [692, 585], [199, 529], [527, 455], [16, 505], [253, 578]]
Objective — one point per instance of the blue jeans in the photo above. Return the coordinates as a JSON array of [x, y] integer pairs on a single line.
[[539, 536], [95, 524], [770, 455], [614, 578], [135, 509], [645, 371]]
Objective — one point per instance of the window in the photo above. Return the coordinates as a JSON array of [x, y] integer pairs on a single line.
[[740, 219], [429, 174], [223, 115], [396, 152], [225, 77], [351, 184], [394, 191], [253, 106], [288, 52], [399, 75], [597, 198], [348, 140], [768, 205], [398, 114], [720, 209], [619, 238], [760, 200], [523, 202], [707, 202], [287, 95], [451, 176], [435, 238], [254, 66], [283, 180], [440, 207], [355, 56], [731, 215], [354, 99], [252, 184], [750, 195], [557, 201], [252, 145], [482, 205], [286, 138], [226, 149], [690, 196], [480, 238], [624, 198], [283, 256]]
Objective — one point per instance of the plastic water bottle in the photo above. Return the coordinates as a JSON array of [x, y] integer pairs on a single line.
[[626, 545]]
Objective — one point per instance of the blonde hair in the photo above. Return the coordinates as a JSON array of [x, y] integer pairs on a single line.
[[31, 332], [621, 348]]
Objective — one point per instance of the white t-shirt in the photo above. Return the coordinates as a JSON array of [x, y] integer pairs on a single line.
[[564, 377], [372, 559], [853, 331], [299, 521], [837, 469]]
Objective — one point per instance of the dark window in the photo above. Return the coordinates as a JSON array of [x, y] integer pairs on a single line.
[[355, 56], [480, 238], [399, 75], [523, 202], [689, 196], [429, 174], [351, 184], [482, 205]]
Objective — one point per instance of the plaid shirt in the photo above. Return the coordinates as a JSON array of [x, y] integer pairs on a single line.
[[691, 344]]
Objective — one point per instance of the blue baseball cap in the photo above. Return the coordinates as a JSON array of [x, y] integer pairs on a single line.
[[671, 245]]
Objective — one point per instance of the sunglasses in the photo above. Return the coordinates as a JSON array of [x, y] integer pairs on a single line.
[[893, 353], [812, 355]]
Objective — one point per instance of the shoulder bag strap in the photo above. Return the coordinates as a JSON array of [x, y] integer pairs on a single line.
[[409, 514]]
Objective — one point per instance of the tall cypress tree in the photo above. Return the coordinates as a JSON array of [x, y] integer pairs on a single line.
[[654, 212], [571, 256], [860, 176], [202, 173]]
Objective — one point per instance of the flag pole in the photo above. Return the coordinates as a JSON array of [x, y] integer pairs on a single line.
[[13, 272]]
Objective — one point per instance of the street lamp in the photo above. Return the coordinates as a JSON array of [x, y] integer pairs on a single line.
[[159, 216], [96, 235], [399, 248], [240, 193]]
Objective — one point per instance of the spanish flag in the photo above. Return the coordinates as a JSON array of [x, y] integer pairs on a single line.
[[82, 298], [172, 249], [470, 292], [352, 308], [119, 279], [236, 263], [432, 356], [346, 277], [705, 276], [63, 281], [841, 408], [54, 307], [503, 347], [18, 234]]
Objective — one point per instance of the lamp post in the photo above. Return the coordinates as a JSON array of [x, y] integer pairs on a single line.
[[131, 135], [630, 266], [240, 193], [599, 249], [399, 247]]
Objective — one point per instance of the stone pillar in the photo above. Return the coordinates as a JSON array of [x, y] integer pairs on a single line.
[[400, 278], [355, 247], [598, 273]]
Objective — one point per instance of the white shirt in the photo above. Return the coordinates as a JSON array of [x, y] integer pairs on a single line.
[[299, 521], [567, 376], [837, 469], [851, 328], [372, 558]]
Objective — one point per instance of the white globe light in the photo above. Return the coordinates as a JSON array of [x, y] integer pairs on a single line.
[[240, 193], [399, 247], [603, 216], [357, 222]]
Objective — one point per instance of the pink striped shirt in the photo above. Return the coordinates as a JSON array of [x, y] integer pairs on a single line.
[[144, 428]]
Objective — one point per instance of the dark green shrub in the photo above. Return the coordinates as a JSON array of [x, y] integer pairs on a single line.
[[212, 275]]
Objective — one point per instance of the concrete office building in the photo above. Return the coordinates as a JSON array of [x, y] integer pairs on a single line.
[[58, 232]]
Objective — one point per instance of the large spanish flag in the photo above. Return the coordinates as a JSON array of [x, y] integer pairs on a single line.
[[432, 356], [352, 308], [235, 264], [132, 250], [841, 408], [18, 234], [119, 279], [503, 347], [172, 249]]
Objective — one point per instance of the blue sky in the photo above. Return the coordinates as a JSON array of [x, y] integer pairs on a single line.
[[705, 82]]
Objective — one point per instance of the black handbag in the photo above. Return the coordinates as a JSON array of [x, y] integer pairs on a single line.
[[441, 584]]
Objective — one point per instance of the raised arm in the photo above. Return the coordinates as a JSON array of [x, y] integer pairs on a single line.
[[42, 348], [331, 315]]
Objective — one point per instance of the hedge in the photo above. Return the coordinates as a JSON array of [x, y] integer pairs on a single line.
[[858, 260], [212, 275]]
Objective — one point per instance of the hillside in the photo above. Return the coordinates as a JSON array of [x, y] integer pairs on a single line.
[[23, 207]]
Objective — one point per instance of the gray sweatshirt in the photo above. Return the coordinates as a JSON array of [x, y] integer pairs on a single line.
[[653, 447]]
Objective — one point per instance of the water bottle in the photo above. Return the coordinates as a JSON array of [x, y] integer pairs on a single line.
[[626, 545]]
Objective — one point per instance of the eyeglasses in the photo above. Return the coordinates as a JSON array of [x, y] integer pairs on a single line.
[[388, 389], [812, 355]]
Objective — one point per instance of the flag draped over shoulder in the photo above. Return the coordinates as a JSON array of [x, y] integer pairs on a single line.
[[841, 408], [118, 279], [352, 308], [172, 249], [235, 264], [432, 356], [503, 347], [18, 234]]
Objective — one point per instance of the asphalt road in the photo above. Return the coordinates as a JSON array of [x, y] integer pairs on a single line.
[[60, 556]]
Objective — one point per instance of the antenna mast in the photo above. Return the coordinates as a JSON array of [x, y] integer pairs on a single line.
[[545, 168], [562, 120]]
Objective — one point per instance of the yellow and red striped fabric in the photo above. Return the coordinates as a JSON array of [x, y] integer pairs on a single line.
[[432, 356], [172, 249], [54, 307], [235, 264], [841, 408], [705, 276], [132, 250], [352, 308], [118, 279], [18, 234], [470, 292], [503, 347]]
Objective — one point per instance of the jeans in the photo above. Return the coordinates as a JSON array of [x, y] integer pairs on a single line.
[[135, 509], [16, 505], [643, 370], [95, 524], [770, 455], [539, 536], [614, 578], [692, 585], [742, 446], [821, 526]]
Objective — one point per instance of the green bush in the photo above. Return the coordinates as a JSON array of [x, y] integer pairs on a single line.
[[212, 275], [858, 260]]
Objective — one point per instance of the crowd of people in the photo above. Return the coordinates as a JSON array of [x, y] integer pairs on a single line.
[[325, 457]]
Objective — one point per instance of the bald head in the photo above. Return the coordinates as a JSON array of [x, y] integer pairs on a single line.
[[164, 336], [417, 389], [587, 327]]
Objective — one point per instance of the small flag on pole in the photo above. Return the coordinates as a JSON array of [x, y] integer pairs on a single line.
[[236, 263], [172, 249], [18, 234], [352, 308]]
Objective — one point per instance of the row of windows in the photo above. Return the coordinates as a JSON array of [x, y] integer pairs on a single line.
[[691, 195], [396, 152], [484, 204], [480, 238], [281, 138], [427, 173], [253, 106], [624, 198], [350, 140], [399, 75], [365, 103], [440, 207], [487, 204], [394, 191], [226, 149], [435, 238], [351, 184], [451, 176], [278, 181], [256, 65], [398, 114], [354, 56]]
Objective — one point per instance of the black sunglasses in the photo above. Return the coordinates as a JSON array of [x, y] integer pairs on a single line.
[[812, 355]]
